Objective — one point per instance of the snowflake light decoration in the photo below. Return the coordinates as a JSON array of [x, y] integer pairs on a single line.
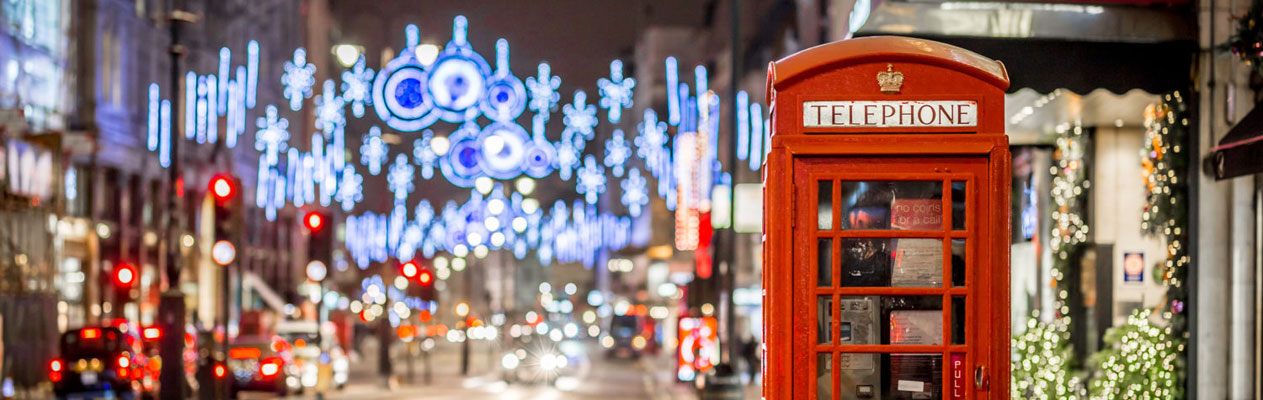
[[543, 91], [567, 158], [273, 135], [356, 83], [400, 177], [617, 151], [330, 113], [373, 151], [298, 79], [350, 189], [616, 92], [423, 154], [591, 179], [580, 117], [651, 143], [635, 192], [424, 213]]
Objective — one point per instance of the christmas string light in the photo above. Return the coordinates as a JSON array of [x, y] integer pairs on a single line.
[[1139, 362], [1042, 365], [1041, 362]]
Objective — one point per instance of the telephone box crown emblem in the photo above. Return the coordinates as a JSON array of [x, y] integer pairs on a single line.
[[890, 80]]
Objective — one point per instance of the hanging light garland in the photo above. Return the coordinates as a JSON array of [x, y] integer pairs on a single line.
[[1139, 362], [1164, 165], [1042, 363], [1070, 230], [1247, 43]]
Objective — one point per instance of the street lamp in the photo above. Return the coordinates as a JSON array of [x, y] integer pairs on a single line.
[[462, 310], [347, 54]]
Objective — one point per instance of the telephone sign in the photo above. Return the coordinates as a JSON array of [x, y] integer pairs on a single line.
[[886, 224]]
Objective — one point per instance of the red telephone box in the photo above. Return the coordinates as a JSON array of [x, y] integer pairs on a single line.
[[886, 215]]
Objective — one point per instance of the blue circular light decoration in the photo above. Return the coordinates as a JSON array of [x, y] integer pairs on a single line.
[[506, 95], [400, 94], [463, 162], [458, 78], [504, 150], [457, 85], [539, 159]]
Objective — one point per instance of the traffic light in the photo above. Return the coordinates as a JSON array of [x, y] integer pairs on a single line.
[[409, 270], [320, 239], [225, 191], [124, 278], [425, 277], [124, 275]]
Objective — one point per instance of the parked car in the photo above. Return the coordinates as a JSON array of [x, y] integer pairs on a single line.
[[98, 361], [265, 364]]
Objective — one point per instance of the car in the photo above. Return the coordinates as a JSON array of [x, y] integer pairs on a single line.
[[627, 341], [263, 363], [97, 361], [323, 363], [151, 376], [540, 358]]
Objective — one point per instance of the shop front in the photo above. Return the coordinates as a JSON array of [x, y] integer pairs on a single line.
[[1096, 115]]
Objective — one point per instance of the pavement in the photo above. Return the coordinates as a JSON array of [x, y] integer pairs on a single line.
[[650, 377]]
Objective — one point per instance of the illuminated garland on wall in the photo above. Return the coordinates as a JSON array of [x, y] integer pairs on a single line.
[[1138, 363], [1070, 230], [1166, 213], [1041, 364]]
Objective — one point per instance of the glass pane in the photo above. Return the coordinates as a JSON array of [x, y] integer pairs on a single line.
[[824, 205], [824, 318], [865, 262], [892, 262], [824, 268], [912, 320], [903, 205], [860, 378], [958, 262], [958, 204], [918, 262], [824, 376], [959, 319], [913, 376]]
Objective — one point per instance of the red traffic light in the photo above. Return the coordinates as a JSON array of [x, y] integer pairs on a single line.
[[409, 269], [220, 370], [425, 277], [124, 275], [313, 221], [152, 333], [222, 187]]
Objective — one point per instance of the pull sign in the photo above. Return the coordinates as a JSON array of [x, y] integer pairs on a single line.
[[890, 114], [958, 377]]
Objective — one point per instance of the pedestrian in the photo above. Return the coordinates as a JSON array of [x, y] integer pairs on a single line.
[[750, 352]]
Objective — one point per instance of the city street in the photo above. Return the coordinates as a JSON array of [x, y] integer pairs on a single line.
[[631, 199], [598, 378]]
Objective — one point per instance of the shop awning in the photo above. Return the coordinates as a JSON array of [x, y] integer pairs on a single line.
[[1045, 46], [1240, 152]]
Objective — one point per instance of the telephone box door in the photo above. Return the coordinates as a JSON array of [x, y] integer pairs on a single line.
[[891, 248]]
